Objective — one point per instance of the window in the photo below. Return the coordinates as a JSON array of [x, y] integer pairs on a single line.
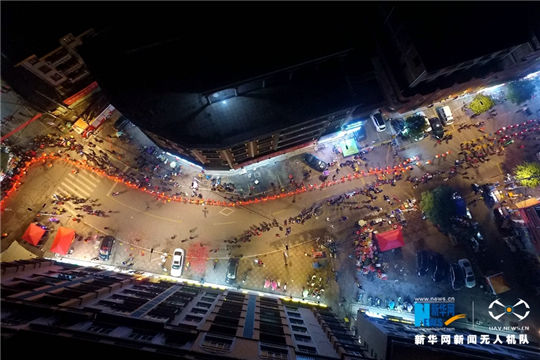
[[308, 349], [217, 343], [44, 69], [293, 314], [139, 335], [193, 318], [56, 77], [100, 329], [268, 352], [204, 305], [302, 338], [299, 329], [296, 321], [198, 311]]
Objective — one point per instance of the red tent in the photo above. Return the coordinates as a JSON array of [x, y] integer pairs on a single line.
[[63, 240], [390, 240], [33, 234]]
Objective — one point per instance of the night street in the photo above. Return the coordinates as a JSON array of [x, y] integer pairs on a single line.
[[355, 189]]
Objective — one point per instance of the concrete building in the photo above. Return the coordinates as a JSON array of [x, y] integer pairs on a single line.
[[73, 310], [62, 68], [469, 48]]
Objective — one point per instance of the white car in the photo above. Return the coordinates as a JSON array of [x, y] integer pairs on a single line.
[[465, 264], [422, 114], [378, 121], [177, 262]]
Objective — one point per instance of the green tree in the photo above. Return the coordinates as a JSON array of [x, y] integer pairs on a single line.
[[481, 103], [414, 127], [528, 174], [520, 91], [439, 206]]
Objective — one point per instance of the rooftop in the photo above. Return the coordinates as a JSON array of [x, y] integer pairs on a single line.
[[464, 31], [158, 76]]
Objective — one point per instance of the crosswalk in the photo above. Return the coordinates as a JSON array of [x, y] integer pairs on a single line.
[[80, 185]]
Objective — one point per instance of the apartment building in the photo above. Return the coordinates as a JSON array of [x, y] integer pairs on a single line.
[[465, 51], [62, 68], [71, 310]]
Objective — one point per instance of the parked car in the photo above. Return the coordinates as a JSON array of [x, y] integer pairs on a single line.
[[470, 280], [445, 114], [177, 262], [315, 163], [457, 277], [437, 127], [105, 249], [378, 121], [424, 262], [428, 126], [440, 272], [232, 269]]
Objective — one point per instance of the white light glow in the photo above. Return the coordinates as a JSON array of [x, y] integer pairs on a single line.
[[532, 75]]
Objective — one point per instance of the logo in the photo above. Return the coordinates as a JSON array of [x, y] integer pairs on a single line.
[[435, 313], [505, 310]]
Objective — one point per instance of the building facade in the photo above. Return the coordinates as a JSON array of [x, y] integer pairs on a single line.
[[416, 71], [94, 311], [63, 68]]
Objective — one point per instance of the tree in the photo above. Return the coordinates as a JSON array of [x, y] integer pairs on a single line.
[[528, 174], [481, 103], [439, 206], [520, 91], [414, 126]]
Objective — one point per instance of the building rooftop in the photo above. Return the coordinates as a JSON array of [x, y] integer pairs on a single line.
[[464, 31], [159, 76]]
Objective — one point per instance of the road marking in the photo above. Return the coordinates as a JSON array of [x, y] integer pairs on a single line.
[[84, 180], [78, 185], [73, 192], [226, 212], [225, 223]]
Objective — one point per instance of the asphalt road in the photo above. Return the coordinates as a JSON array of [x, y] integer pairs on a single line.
[[146, 227]]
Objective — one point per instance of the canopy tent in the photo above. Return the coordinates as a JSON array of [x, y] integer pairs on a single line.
[[497, 283], [33, 234], [390, 239], [63, 240]]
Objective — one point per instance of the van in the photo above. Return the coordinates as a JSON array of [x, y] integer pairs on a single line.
[[446, 115]]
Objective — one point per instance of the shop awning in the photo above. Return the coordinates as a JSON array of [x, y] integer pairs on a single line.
[[33, 234], [390, 239], [63, 240]]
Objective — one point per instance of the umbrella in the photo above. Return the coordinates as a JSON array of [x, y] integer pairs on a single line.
[[33, 234]]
